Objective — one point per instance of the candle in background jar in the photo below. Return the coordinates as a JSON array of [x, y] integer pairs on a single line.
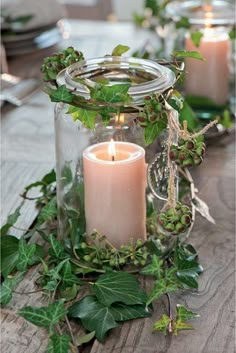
[[115, 184], [209, 78]]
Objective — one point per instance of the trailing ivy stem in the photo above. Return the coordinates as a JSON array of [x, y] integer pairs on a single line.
[[32, 292], [75, 254], [70, 329], [72, 346], [169, 312]]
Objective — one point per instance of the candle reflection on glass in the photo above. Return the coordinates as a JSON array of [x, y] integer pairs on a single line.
[[209, 78], [115, 184]]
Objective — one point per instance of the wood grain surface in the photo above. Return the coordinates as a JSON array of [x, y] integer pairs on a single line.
[[28, 153]]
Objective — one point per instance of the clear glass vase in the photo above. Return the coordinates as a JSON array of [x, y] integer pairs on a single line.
[[102, 171]]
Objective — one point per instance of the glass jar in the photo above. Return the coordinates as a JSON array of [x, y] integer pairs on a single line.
[[207, 82], [102, 170]]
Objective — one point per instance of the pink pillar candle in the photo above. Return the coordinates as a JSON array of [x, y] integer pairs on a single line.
[[209, 78], [115, 184]]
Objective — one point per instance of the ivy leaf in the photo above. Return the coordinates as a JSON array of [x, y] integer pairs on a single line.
[[44, 316], [61, 94], [87, 117], [70, 293], [188, 278], [185, 314], [85, 338], [196, 37], [119, 50], [161, 287], [67, 276], [94, 316], [51, 285], [58, 344], [188, 54], [153, 130], [111, 94], [118, 287], [232, 33], [162, 324], [187, 113], [11, 220], [49, 178], [48, 212], [56, 250], [179, 325], [9, 254], [183, 23], [154, 268], [226, 120], [8, 286], [26, 253], [122, 312]]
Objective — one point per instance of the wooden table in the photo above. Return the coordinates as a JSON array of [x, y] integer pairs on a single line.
[[28, 153]]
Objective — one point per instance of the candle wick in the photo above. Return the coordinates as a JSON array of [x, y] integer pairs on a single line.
[[113, 158]]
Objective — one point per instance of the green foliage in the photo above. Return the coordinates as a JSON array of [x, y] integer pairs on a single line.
[[155, 268], [48, 212], [196, 37], [162, 324], [164, 285], [119, 50], [56, 250], [153, 130], [183, 23], [185, 314], [9, 284], [45, 316], [58, 343], [226, 120], [9, 254], [188, 54], [165, 324], [232, 33], [60, 94], [26, 255], [85, 338], [52, 65], [87, 117], [96, 316], [188, 269], [111, 94], [11, 220], [118, 287]]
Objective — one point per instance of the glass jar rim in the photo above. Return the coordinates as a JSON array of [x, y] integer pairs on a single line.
[[161, 77], [222, 12]]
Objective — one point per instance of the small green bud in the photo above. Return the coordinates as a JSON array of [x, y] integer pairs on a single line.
[[174, 218], [187, 162], [190, 144], [185, 219], [197, 160], [87, 258], [171, 212], [83, 245], [170, 227], [179, 227]]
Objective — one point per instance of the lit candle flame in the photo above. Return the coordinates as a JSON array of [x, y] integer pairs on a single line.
[[208, 16], [112, 150]]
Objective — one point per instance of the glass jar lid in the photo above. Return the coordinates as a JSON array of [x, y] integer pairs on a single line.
[[214, 12], [146, 76]]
